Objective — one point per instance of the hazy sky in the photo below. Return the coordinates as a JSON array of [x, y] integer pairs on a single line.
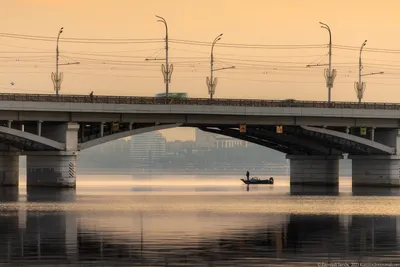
[[268, 72]]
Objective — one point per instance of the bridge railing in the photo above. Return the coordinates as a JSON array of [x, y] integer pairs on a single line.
[[193, 101]]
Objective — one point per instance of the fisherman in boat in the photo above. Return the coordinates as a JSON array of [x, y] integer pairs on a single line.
[[247, 175]]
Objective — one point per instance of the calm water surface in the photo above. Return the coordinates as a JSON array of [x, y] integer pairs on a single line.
[[197, 221]]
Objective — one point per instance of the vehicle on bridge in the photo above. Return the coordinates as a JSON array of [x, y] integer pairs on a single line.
[[173, 95], [256, 180]]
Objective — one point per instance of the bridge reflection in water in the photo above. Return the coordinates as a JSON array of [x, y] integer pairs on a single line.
[[49, 229]]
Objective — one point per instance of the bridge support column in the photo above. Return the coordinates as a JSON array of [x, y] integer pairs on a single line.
[[52, 168], [314, 170], [375, 170], [57, 170], [9, 169]]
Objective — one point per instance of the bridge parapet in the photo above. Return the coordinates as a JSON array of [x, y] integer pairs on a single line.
[[106, 99]]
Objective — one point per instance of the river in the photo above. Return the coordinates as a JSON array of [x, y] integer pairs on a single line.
[[120, 220]]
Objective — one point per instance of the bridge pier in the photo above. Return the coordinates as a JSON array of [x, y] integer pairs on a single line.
[[57, 170], [9, 169], [375, 170], [54, 168], [314, 170]]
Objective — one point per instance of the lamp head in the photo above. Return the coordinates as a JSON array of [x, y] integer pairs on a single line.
[[325, 26], [161, 19]]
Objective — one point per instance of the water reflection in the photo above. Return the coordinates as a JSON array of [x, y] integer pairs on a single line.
[[182, 189], [9, 194], [37, 194], [259, 188], [56, 226], [34, 235], [301, 239], [376, 191], [313, 190]]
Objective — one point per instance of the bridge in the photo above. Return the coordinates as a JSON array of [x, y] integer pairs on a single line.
[[51, 130]]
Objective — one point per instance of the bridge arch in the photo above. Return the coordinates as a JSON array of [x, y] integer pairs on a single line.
[[282, 143], [306, 140], [27, 141], [116, 136], [299, 140], [352, 141]]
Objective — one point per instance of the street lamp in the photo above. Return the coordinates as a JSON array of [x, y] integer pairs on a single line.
[[57, 77], [211, 81], [166, 69], [330, 73], [360, 86]]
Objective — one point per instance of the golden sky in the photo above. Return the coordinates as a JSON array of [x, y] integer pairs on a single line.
[[260, 73]]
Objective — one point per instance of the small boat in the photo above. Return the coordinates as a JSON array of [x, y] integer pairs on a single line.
[[256, 180]]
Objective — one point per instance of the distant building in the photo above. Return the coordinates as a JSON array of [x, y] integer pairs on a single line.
[[178, 146], [174, 147], [225, 142], [147, 148], [204, 139], [210, 140], [114, 146]]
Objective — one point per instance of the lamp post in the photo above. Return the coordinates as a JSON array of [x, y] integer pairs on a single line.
[[211, 81], [330, 73], [360, 86], [167, 69], [57, 77]]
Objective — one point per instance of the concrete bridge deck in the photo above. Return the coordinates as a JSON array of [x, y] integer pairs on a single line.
[[78, 108]]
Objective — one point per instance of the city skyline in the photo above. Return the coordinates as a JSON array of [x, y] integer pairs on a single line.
[[273, 72]]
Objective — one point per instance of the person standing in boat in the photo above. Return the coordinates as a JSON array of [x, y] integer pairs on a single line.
[[247, 175]]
